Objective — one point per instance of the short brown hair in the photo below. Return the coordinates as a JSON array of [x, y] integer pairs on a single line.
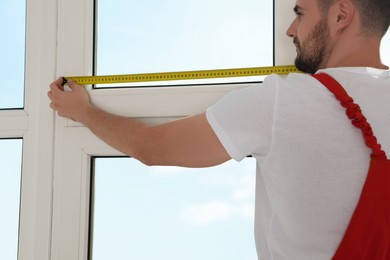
[[375, 14]]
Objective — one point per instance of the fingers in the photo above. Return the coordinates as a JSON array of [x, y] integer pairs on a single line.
[[57, 85], [67, 103], [56, 90], [59, 81]]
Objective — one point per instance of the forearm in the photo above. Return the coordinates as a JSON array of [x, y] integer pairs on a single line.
[[124, 134], [187, 142]]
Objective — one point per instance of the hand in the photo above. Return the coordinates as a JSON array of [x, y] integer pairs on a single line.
[[71, 104]]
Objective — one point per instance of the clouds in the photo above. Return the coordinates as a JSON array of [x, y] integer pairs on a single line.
[[207, 212], [238, 205], [214, 211], [208, 196], [156, 36]]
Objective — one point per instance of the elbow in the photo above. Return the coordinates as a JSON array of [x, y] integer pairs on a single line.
[[146, 160], [141, 154], [144, 151], [151, 156]]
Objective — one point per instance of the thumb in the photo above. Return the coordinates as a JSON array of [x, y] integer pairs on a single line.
[[74, 85]]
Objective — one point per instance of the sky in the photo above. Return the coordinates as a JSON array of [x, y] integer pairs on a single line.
[[10, 167], [12, 12], [12, 46], [174, 35], [147, 212], [168, 212], [173, 213]]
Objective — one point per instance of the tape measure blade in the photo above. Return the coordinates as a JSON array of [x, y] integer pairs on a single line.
[[183, 75]]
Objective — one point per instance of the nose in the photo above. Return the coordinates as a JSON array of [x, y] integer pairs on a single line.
[[292, 30]]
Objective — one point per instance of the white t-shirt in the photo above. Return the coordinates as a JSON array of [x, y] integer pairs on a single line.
[[311, 161]]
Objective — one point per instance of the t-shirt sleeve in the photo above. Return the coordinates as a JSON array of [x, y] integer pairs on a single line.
[[243, 119]]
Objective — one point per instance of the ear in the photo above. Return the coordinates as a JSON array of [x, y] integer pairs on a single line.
[[343, 14]]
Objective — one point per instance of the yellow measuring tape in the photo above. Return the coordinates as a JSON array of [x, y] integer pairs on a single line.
[[183, 75]]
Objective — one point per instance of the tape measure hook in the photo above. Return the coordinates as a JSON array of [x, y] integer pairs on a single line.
[[64, 81]]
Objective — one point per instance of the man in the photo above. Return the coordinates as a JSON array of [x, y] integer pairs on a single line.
[[311, 162]]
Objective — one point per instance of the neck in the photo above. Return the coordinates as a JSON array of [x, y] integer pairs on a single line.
[[358, 51]]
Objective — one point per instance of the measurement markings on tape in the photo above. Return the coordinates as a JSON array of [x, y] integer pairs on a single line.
[[183, 75]]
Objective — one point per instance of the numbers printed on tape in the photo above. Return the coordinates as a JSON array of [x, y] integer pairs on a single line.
[[184, 75]]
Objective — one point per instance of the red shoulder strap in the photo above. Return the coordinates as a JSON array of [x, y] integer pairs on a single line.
[[354, 113]]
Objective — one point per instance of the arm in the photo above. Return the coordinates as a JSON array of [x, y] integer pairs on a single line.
[[189, 142]]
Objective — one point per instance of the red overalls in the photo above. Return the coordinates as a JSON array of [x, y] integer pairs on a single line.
[[368, 234]]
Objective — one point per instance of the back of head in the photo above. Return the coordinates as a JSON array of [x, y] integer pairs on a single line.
[[374, 14]]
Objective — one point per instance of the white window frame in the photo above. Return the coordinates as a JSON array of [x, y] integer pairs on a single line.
[[35, 124], [57, 152], [75, 145]]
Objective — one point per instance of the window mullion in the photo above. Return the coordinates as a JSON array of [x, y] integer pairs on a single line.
[[36, 124], [284, 48], [71, 162]]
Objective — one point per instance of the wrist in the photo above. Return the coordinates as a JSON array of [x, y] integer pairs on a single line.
[[86, 113]]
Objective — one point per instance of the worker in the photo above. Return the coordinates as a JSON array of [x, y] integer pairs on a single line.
[[311, 161]]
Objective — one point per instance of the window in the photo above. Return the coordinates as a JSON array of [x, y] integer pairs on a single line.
[[166, 36], [12, 52], [385, 49], [145, 213], [10, 179], [171, 35], [75, 145], [53, 178], [12, 24]]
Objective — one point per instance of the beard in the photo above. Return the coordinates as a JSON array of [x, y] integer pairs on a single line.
[[311, 52]]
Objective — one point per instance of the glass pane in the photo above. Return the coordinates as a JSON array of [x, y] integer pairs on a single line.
[[10, 177], [12, 46], [173, 213], [385, 49], [172, 35]]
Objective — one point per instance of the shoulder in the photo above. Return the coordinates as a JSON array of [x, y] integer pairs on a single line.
[[295, 85]]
